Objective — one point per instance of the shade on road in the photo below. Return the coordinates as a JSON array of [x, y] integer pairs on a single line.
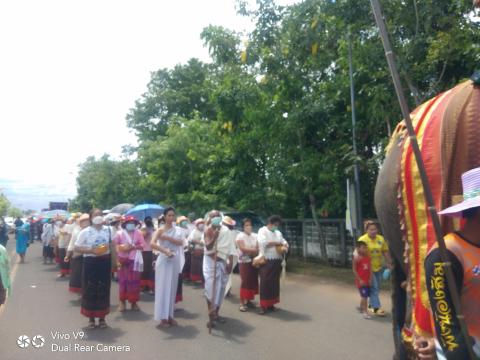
[[317, 320]]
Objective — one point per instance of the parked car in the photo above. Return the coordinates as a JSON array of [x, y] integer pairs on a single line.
[[10, 223], [238, 216]]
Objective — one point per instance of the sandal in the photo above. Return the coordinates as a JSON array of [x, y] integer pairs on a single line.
[[220, 319], [122, 307], [243, 308], [135, 307], [102, 324], [262, 311], [91, 325], [172, 322], [163, 325]]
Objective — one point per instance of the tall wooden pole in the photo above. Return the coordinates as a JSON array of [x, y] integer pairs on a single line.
[[377, 11]]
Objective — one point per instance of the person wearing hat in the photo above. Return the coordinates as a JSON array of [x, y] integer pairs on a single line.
[[196, 245], [114, 222], [232, 233], [129, 244], [64, 235], [216, 237], [49, 236], [94, 243], [74, 258], [463, 248]]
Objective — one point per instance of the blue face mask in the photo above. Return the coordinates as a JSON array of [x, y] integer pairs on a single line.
[[130, 227], [217, 221], [274, 228]]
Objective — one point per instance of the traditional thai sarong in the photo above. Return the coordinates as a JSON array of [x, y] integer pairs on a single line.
[[147, 277], [221, 279], [179, 294], [128, 282], [249, 281], [48, 252], [76, 268], [64, 266], [96, 282], [270, 283], [187, 266], [196, 271]]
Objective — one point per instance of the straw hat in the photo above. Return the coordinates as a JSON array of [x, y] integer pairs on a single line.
[[83, 217], [181, 218], [227, 220], [199, 221], [471, 194]]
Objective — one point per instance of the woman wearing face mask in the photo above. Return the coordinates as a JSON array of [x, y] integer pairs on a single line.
[[272, 245], [247, 249], [169, 242], [129, 243], [196, 244], [63, 241], [94, 243], [74, 258], [146, 282]]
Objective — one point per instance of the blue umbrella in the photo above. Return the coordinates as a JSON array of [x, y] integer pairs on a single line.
[[55, 213], [140, 212]]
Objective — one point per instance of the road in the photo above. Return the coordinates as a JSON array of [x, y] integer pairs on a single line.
[[317, 320]]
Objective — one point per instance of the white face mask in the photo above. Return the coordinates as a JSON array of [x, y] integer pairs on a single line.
[[130, 227], [97, 220], [201, 227], [59, 223]]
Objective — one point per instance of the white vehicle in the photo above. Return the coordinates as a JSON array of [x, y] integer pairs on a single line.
[[10, 223]]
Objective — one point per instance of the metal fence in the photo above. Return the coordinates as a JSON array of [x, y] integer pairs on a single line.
[[304, 239]]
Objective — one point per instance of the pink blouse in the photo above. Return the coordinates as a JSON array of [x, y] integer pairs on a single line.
[[121, 238]]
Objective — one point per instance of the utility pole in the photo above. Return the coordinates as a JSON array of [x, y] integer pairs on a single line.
[[358, 203]]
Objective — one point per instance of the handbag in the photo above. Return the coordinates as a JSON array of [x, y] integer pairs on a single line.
[[138, 261], [259, 261]]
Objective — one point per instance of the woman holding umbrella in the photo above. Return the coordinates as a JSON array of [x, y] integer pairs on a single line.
[[94, 243], [129, 243]]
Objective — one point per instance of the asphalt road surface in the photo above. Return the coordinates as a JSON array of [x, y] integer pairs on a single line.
[[317, 320]]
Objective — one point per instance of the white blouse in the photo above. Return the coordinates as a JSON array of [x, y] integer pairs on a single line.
[[90, 237], [250, 241], [265, 235]]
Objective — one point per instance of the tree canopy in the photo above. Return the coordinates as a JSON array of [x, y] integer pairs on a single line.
[[266, 126]]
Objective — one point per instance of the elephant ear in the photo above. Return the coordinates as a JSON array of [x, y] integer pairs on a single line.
[[459, 137]]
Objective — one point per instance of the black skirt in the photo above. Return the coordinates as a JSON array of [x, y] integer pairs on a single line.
[[76, 267], [96, 280]]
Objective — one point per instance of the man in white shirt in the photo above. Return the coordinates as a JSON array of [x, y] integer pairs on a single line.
[[219, 253]]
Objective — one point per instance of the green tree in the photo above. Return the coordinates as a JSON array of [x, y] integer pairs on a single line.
[[4, 205]]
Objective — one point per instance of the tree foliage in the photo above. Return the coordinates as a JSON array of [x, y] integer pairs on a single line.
[[266, 126]]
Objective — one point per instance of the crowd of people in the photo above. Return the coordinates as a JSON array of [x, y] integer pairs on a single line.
[[156, 257]]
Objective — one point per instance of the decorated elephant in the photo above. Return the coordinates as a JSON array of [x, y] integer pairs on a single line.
[[448, 131]]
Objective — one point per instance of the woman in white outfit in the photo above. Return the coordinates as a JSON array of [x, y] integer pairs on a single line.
[[169, 242]]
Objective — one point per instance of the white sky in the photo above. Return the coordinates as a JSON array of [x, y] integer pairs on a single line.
[[71, 70]]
